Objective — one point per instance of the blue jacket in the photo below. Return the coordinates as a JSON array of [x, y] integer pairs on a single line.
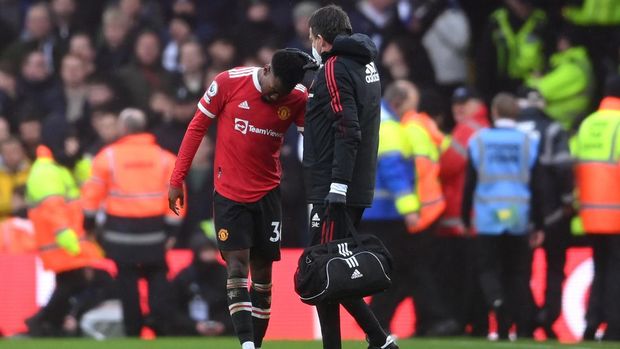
[[395, 181], [503, 159]]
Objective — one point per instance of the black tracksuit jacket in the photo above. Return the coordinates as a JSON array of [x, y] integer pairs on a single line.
[[341, 132]]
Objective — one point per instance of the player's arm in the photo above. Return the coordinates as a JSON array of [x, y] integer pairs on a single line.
[[209, 106], [347, 133], [300, 106]]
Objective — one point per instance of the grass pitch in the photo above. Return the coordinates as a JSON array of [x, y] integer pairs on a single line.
[[230, 343]]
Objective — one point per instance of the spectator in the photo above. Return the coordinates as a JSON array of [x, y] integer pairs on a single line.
[[222, 56], [446, 42], [514, 46], [115, 49], [104, 90], [375, 18], [5, 129], [458, 279], [568, 86], [403, 58], [38, 35], [301, 14], [63, 12], [81, 45], [180, 32], [502, 187], [14, 171], [36, 85], [200, 294], [145, 75], [8, 94], [30, 131], [72, 99], [103, 121], [255, 29]]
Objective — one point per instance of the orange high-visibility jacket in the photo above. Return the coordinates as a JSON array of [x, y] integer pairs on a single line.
[[130, 181], [453, 164], [598, 169], [52, 195], [425, 141]]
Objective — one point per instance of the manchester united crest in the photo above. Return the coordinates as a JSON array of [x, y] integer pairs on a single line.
[[222, 235], [284, 112]]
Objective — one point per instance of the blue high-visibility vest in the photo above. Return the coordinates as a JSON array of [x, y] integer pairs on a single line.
[[503, 159]]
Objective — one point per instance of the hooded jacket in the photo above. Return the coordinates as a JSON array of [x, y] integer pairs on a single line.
[[341, 133]]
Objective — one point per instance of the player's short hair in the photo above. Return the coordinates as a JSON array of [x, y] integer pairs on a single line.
[[329, 22], [288, 67]]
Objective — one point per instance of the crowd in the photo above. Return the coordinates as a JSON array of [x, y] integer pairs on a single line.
[[449, 69]]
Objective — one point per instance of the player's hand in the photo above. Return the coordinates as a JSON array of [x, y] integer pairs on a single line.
[[412, 219], [536, 239], [174, 195]]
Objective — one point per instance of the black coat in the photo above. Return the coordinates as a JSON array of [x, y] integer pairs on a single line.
[[341, 132]]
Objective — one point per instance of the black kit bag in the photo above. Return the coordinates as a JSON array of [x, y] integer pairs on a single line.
[[353, 267]]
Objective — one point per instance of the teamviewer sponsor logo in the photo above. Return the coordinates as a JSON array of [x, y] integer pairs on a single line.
[[241, 125], [244, 126]]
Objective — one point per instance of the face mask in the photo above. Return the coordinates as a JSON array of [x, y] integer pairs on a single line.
[[316, 55]]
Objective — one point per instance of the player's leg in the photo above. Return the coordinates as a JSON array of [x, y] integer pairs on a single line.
[[234, 226], [267, 215]]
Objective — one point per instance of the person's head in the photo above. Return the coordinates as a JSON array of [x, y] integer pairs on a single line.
[[13, 153], [301, 14], [325, 25], [402, 96], [115, 27], [395, 60], [38, 21], [35, 68], [130, 7], [465, 103], [180, 28], [63, 9], [7, 82], [131, 121], [147, 49], [101, 91], [381, 5], [73, 71], [504, 106], [521, 8], [280, 77], [530, 98], [5, 129], [30, 129], [104, 121], [192, 58], [221, 53], [258, 11], [265, 53], [81, 45], [612, 86]]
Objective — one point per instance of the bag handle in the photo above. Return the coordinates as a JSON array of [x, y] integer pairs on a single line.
[[328, 226]]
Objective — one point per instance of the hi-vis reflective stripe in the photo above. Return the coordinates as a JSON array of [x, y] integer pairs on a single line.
[[586, 206], [510, 199], [451, 222], [121, 195], [343, 249], [433, 202], [352, 262], [458, 147], [134, 239]]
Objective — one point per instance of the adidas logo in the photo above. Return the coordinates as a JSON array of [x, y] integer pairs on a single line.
[[244, 105], [316, 218], [356, 275], [372, 75]]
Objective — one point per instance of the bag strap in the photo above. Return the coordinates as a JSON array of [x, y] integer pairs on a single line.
[[327, 230]]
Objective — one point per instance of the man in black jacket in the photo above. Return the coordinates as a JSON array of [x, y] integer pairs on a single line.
[[341, 137], [558, 184]]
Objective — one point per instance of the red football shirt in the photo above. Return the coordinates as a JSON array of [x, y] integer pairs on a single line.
[[250, 133]]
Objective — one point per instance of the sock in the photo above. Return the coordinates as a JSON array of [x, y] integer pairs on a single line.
[[240, 309], [247, 345], [260, 294]]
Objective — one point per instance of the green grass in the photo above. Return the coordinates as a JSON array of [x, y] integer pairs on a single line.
[[226, 343]]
